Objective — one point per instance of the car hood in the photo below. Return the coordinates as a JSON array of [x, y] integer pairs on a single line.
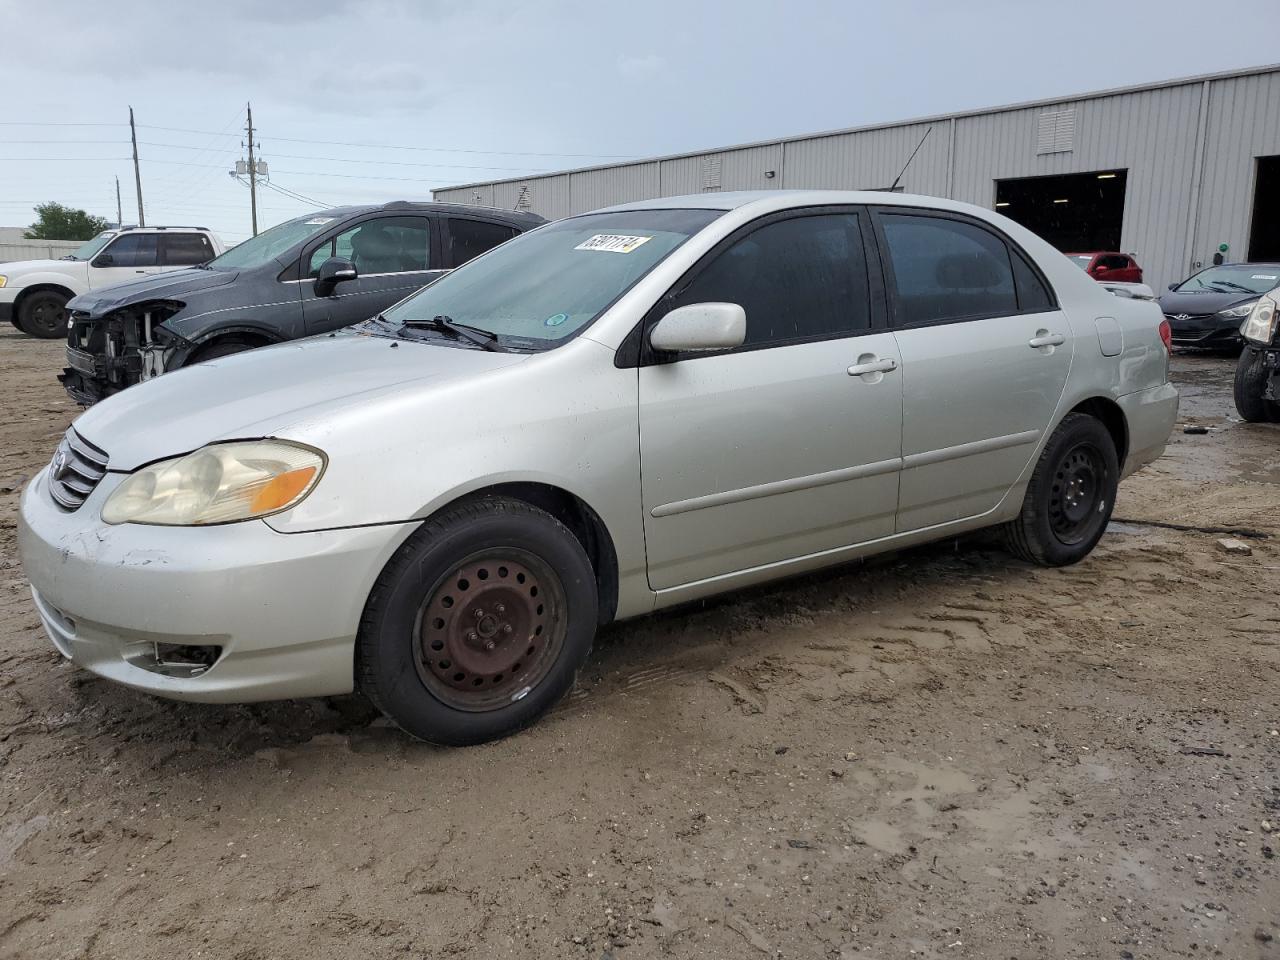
[[160, 286], [261, 392], [1175, 302], [19, 268]]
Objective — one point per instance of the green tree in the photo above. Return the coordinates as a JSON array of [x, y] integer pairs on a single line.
[[56, 222]]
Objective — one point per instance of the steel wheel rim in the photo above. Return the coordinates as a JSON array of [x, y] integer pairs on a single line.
[[490, 630], [45, 316], [1075, 496]]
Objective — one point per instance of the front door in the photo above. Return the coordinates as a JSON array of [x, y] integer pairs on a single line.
[[127, 257], [788, 445], [394, 256], [985, 353]]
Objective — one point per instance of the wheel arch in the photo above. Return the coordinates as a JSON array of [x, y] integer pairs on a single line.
[[576, 514], [1112, 417], [41, 287], [250, 333]]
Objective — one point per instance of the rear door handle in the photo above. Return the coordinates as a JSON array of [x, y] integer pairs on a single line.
[[887, 365], [1047, 340]]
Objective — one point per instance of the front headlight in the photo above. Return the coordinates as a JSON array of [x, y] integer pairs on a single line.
[[1237, 313], [222, 483], [3, 280], [1261, 325]]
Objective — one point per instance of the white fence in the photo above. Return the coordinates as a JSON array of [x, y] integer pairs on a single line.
[[36, 249]]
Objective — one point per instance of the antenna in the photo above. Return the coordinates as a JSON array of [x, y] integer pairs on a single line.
[[894, 185]]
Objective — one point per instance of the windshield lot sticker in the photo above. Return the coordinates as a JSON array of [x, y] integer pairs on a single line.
[[612, 243], [1263, 276], [556, 320], [319, 220]]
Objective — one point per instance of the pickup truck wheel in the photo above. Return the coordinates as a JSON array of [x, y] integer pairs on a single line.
[[1250, 387], [1070, 497], [479, 623], [43, 314]]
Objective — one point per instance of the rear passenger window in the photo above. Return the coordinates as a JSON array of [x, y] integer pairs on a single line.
[[470, 238], [948, 270], [1033, 295], [799, 279], [184, 249]]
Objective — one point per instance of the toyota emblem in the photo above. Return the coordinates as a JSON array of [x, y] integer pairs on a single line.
[[59, 465]]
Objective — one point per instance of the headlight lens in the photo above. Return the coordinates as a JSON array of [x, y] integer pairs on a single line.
[[222, 483], [1261, 325], [3, 280], [1238, 313]]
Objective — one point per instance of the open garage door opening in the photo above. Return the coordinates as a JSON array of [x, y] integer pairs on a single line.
[[1077, 212], [1264, 235]]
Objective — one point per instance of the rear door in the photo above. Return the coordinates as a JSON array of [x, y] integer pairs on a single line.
[[127, 257], [985, 355], [788, 445], [393, 255]]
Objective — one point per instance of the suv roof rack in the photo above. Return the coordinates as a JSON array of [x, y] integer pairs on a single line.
[[172, 226]]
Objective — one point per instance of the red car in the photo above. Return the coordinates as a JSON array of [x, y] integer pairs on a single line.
[[1107, 265]]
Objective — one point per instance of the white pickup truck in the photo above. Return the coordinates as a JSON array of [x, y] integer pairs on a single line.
[[34, 293]]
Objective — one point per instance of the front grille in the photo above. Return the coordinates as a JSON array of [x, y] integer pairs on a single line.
[[77, 467]]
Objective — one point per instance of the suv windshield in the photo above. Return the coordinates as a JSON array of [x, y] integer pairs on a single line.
[[546, 285], [270, 243], [1234, 278], [87, 249]]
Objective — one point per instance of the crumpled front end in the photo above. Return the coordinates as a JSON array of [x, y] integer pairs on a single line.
[[108, 353]]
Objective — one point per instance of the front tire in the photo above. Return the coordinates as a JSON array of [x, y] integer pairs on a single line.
[[479, 623], [1070, 497], [1250, 387], [43, 314]]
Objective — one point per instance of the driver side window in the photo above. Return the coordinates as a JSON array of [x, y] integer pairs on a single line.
[[380, 246]]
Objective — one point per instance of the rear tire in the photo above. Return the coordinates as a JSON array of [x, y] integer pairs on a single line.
[[479, 623], [1250, 387], [1070, 497], [43, 314]]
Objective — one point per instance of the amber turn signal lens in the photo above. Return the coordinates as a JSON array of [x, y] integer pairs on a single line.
[[282, 490]]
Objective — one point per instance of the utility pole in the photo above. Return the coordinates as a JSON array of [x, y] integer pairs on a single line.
[[137, 174], [119, 210], [253, 175]]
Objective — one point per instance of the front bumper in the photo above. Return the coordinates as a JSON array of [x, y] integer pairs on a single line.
[[1150, 416], [284, 609], [1208, 331], [6, 311]]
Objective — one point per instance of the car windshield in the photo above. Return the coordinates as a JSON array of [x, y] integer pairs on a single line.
[[1081, 260], [545, 285], [87, 249], [1234, 278], [270, 243]]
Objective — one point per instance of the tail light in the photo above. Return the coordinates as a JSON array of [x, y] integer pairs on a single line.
[[1166, 335]]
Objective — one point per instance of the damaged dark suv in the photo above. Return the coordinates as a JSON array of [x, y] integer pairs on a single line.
[[303, 277]]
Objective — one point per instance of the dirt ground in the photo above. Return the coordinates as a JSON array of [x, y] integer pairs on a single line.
[[941, 753]]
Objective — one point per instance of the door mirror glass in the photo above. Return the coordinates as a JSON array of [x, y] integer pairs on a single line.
[[334, 271], [104, 260], [700, 326]]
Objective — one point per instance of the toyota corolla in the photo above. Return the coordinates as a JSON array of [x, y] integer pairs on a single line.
[[609, 415]]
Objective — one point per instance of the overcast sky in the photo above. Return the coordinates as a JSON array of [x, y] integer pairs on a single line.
[[486, 89]]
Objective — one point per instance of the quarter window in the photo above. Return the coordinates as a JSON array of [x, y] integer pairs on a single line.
[[134, 250], [1033, 295], [470, 238], [799, 279], [184, 249], [948, 270], [384, 245]]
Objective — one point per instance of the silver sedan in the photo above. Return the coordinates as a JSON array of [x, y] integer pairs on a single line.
[[611, 414]]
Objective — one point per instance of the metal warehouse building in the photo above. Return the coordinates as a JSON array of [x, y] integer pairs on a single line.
[[1167, 171]]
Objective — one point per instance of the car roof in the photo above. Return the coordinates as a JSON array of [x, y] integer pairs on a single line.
[[522, 218], [766, 201]]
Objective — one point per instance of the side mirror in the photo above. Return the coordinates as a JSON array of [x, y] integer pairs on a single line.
[[700, 326], [104, 260], [332, 272], [1099, 270]]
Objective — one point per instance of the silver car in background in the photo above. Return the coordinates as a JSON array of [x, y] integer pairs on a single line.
[[609, 415]]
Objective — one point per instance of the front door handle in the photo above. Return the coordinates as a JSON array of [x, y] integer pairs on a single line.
[[1047, 340], [873, 364]]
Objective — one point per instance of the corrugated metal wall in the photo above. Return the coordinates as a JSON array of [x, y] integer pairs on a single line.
[[1189, 147], [37, 249]]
